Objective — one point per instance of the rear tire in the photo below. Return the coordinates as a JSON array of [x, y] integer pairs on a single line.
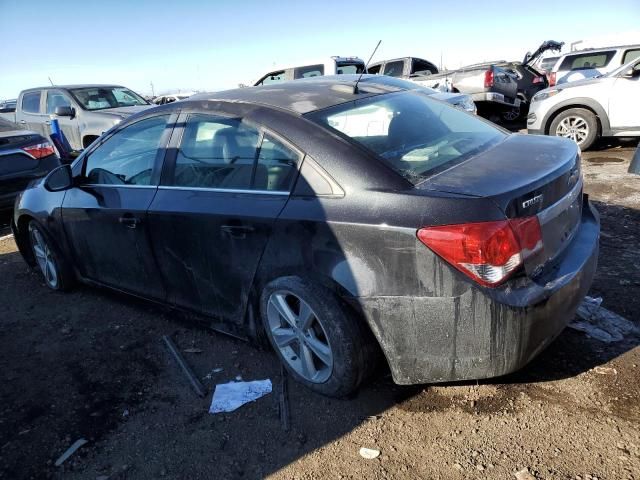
[[577, 124], [322, 344], [56, 271]]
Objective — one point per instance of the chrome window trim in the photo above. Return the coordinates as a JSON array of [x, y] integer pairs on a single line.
[[17, 151], [224, 190], [109, 185]]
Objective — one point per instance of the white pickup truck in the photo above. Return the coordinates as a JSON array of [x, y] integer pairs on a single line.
[[325, 66]]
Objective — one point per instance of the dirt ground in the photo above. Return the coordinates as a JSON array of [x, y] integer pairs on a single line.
[[90, 364]]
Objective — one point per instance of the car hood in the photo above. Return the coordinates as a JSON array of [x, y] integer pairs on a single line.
[[123, 111]]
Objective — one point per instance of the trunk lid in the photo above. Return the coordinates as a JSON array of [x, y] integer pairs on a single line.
[[525, 176]]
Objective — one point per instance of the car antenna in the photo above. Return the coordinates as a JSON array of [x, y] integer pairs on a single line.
[[355, 87], [51, 82]]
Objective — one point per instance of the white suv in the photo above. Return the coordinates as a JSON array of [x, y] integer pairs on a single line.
[[608, 106], [590, 63]]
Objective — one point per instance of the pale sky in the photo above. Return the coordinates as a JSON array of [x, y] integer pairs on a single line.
[[214, 45]]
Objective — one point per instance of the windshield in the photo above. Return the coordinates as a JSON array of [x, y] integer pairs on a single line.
[[100, 98], [413, 134]]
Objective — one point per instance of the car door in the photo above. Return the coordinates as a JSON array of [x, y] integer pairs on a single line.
[[223, 185], [31, 112], [70, 126], [624, 100], [105, 215]]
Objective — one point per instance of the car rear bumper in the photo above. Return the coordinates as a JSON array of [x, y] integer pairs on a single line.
[[495, 98], [484, 332]]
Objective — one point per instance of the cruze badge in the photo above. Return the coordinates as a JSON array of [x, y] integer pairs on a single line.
[[532, 201]]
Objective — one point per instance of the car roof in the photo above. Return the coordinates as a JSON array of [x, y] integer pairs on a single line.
[[599, 49], [304, 95], [81, 85]]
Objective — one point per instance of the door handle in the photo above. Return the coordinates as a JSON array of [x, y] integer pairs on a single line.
[[23, 122], [48, 122], [237, 231], [129, 221]]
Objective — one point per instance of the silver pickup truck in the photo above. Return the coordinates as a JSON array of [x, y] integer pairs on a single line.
[[84, 112]]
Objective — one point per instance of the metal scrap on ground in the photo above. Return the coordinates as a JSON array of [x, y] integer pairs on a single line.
[[231, 396], [602, 324], [70, 451], [193, 380]]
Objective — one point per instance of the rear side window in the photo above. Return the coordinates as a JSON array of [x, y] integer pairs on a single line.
[[349, 68], [309, 71], [226, 153], [394, 69], [31, 102], [128, 156], [587, 60], [56, 99], [630, 55], [414, 135]]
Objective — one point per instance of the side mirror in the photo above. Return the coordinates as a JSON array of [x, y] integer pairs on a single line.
[[59, 179], [65, 111]]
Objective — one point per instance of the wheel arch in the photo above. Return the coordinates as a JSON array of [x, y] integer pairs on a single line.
[[585, 103]]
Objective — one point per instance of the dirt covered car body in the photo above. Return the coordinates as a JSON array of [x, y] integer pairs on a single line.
[[336, 221]]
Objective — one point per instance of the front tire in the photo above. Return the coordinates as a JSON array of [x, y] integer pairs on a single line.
[[54, 269], [323, 345], [577, 124]]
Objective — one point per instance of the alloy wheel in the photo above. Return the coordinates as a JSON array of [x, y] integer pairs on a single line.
[[573, 127], [44, 257], [300, 337]]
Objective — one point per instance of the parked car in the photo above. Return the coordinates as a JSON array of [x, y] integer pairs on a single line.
[[457, 249], [326, 66], [8, 110], [405, 67], [591, 63], [547, 63], [84, 111], [169, 98], [585, 110], [458, 100], [528, 79], [24, 156], [492, 88]]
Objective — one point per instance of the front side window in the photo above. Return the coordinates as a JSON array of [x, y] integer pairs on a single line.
[[309, 71], [394, 69], [226, 153], [56, 99], [630, 55], [100, 98], [421, 67], [414, 135], [128, 156], [31, 102]]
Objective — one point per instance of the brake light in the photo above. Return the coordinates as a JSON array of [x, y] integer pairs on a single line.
[[552, 79], [537, 80], [487, 252], [40, 150], [488, 79]]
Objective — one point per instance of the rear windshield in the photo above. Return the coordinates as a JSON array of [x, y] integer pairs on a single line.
[[345, 68], [585, 61], [415, 135]]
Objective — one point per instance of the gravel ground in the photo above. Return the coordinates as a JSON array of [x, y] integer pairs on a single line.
[[90, 364]]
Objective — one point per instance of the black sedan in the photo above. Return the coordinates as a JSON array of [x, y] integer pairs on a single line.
[[24, 156], [336, 221]]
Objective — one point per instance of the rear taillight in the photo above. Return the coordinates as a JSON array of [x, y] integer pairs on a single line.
[[537, 79], [488, 79], [40, 150], [488, 252], [552, 79]]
